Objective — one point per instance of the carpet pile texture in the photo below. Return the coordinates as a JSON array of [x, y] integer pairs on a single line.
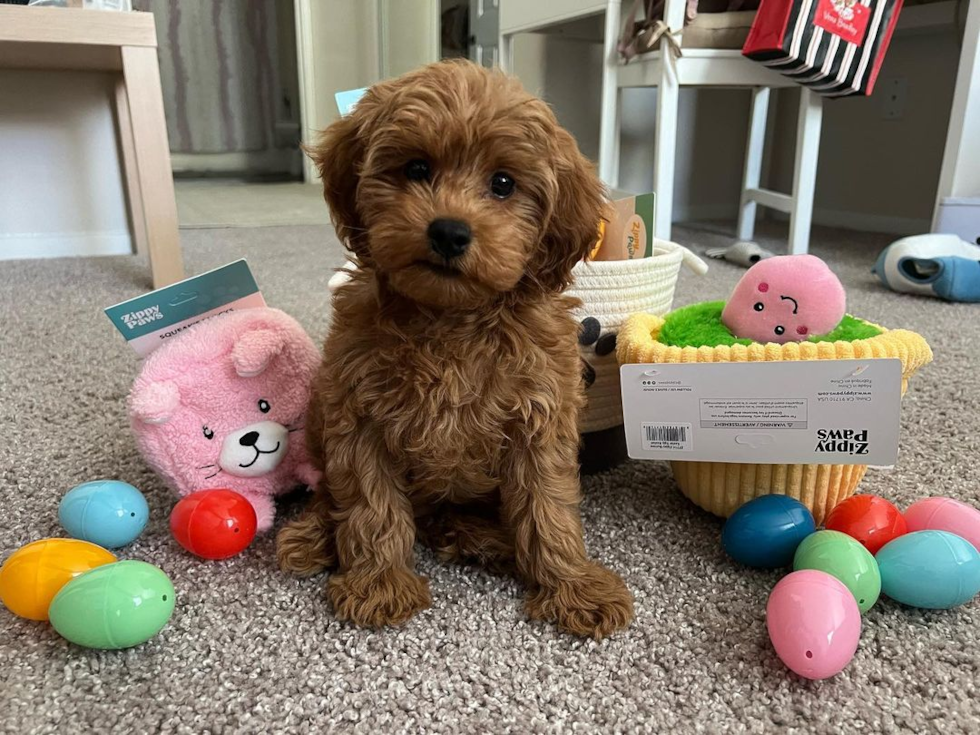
[[252, 650]]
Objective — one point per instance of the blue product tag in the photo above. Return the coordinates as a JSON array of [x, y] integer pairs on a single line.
[[147, 320], [347, 101]]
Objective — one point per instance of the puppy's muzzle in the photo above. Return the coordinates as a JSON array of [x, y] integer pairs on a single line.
[[449, 238]]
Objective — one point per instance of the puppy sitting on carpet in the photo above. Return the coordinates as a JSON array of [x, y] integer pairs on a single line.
[[445, 408]]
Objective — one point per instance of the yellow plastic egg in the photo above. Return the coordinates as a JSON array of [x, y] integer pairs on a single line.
[[34, 574]]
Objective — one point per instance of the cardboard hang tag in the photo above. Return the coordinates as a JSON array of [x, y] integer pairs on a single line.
[[148, 320], [797, 412]]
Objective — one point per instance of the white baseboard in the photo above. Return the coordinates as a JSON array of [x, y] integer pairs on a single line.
[[864, 222], [274, 160], [16, 246]]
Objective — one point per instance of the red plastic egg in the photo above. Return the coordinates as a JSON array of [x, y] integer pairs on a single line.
[[869, 519], [213, 524]]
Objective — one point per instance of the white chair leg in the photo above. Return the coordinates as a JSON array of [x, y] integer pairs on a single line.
[[753, 161], [805, 170], [609, 109], [617, 139], [665, 143]]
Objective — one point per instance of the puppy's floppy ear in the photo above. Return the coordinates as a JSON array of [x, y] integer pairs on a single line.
[[338, 153], [573, 226]]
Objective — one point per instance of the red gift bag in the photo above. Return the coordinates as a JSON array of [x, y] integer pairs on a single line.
[[834, 47]]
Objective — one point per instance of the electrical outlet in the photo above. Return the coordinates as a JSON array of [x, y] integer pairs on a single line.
[[894, 93]]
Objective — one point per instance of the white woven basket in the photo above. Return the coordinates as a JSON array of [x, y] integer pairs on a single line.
[[611, 290]]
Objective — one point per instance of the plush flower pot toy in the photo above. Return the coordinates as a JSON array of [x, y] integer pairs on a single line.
[[784, 308]]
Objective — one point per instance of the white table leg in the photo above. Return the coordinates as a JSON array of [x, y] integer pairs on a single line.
[[753, 161], [609, 107], [664, 144], [960, 174], [805, 170]]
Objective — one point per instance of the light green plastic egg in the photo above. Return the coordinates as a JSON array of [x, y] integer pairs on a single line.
[[114, 606], [842, 557]]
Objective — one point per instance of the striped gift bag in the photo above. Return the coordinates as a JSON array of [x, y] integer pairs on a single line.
[[834, 47]]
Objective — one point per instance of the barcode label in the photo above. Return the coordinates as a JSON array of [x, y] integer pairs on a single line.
[[675, 437]]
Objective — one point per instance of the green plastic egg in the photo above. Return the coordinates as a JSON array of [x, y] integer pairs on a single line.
[[841, 556], [114, 606]]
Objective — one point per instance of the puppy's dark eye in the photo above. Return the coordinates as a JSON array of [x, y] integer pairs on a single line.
[[502, 185], [208, 433], [759, 306], [418, 170], [264, 406]]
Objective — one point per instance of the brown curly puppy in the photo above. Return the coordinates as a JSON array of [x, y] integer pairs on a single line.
[[447, 401]]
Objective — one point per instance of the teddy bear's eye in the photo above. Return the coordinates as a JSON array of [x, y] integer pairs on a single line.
[[208, 433], [264, 406], [759, 306], [779, 330]]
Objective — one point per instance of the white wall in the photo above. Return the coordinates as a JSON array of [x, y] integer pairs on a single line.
[[874, 173], [60, 175]]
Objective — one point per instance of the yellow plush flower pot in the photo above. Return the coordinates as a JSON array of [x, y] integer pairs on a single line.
[[721, 487]]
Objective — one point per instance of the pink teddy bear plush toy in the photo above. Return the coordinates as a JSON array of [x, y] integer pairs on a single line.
[[788, 298], [222, 405]]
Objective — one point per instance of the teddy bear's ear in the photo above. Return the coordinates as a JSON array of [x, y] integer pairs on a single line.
[[154, 403], [254, 351]]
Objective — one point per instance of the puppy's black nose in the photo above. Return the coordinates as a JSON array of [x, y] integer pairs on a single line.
[[249, 439], [449, 238]]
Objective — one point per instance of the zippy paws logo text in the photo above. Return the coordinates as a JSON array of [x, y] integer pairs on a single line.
[[144, 316], [842, 441]]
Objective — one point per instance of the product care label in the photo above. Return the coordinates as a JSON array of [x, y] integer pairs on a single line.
[[148, 320], [806, 412]]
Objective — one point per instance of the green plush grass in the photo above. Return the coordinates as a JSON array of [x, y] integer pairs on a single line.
[[700, 325]]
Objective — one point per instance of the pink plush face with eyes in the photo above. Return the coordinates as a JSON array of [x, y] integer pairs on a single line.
[[788, 298]]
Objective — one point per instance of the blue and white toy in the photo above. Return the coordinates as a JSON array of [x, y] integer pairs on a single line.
[[109, 513], [931, 265]]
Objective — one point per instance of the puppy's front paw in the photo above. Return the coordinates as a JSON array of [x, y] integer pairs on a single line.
[[306, 546], [594, 605], [373, 601]]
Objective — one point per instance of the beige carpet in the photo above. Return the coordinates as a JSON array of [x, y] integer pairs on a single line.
[[251, 650]]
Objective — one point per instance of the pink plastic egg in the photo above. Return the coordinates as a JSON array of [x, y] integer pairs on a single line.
[[814, 623], [945, 514]]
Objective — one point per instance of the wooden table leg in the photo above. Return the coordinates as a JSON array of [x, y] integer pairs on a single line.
[[151, 153], [134, 195]]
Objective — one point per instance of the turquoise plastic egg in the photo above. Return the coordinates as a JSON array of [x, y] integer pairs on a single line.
[[766, 531], [114, 606], [931, 569], [108, 513]]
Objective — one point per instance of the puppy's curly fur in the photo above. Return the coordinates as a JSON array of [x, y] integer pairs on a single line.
[[447, 401]]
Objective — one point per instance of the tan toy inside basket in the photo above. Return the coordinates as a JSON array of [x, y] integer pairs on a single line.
[[721, 487]]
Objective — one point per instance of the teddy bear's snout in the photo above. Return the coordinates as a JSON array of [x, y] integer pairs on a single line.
[[254, 450]]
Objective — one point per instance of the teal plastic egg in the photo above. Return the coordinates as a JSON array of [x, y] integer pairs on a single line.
[[114, 606], [931, 569], [766, 531], [108, 513]]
